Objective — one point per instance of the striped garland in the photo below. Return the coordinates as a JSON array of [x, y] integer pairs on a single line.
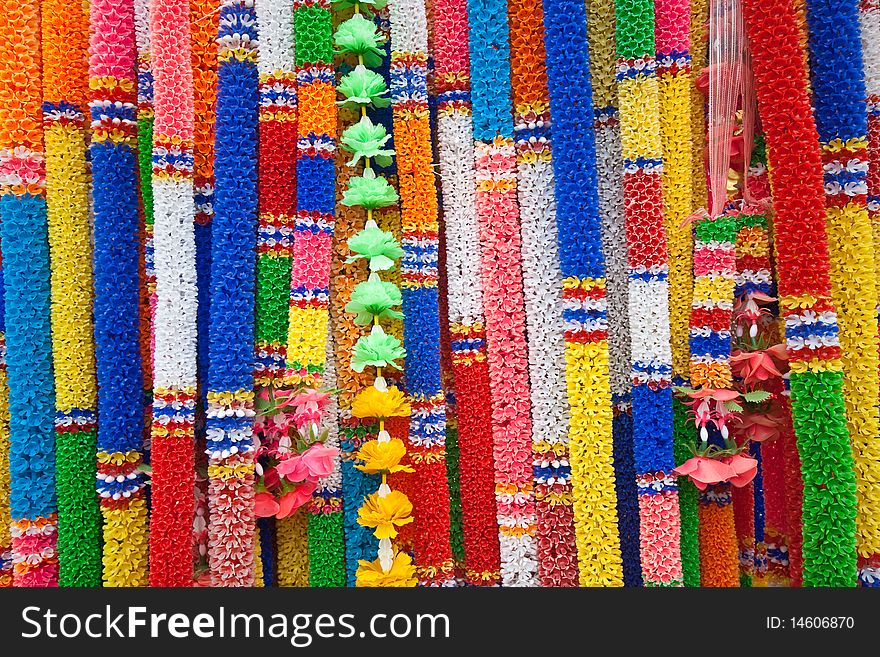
[[277, 204], [5, 518], [174, 367], [65, 79], [418, 196], [838, 98], [829, 504], [455, 148], [230, 399], [312, 240], [609, 174], [710, 339], [555, 533], [204, 24], [26, 277], [113, 153], [648, 294], [498, 219], [583, 297]]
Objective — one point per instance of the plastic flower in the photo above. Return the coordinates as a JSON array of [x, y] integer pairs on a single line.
[[744, 468], [293, 469], [291, 501], [703, 471], [348, 4], [372, 402], [366, 139], [382, 457], [386, 513], [374, 298], [363, 87], [369, 191], [265, 505], [754, 366], [759, 427], [360, 36], [380, 247], [378, 349], [402, 572], [318, 460]]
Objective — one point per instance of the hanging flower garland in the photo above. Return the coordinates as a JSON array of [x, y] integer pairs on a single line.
[[455, 149], [114, 131], [230, 398], [65, 79], [5, 519], [609, 179], [498, 217], [838, 99], [555, 535], [174, 370], [648, 294], [419, 273], [829, 504], [583, 294], [26, 268]]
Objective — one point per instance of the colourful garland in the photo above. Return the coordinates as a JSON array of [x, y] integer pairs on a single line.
[[427, 433], [174, 367], [829, 504], [583, 294], [65, 80], [464, 293], [648, 294], [113, 152], [838, 98], [609, 174], [28, 333], [277, 203], [230, 410], [312, 242], [555, 533], [501, 268], [5, 519]]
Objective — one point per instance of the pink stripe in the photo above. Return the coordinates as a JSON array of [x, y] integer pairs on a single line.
[[660, 535], [672, 25], [311, 255], [112, 48], [172, 70]]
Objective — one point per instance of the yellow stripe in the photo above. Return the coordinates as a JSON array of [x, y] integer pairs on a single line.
[[640, 118], [125, 545], [293, 549], [854, 290]]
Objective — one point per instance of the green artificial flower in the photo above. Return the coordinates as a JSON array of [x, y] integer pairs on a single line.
[[366, 139], [342, 5], [363, 87], [380, 247], [374, 298], [369, 191], [378, 349], [361, 37]]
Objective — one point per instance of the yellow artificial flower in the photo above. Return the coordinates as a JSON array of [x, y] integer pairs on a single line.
[[402, 573], [382, 457], [384, 513], [372, 402]]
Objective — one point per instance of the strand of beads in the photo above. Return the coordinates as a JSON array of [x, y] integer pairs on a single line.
[[113, 150], [65, 83], [583, 296]]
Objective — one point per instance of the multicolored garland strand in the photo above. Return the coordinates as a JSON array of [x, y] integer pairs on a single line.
[[648, 293], [591, 448], [555, 532], [829, 504], [609, 174], [5, 518], [65, 81], [113, 151], [470, 367], [501, 272], [418, 276], [230, 411], [841, 120], [26, 277]]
